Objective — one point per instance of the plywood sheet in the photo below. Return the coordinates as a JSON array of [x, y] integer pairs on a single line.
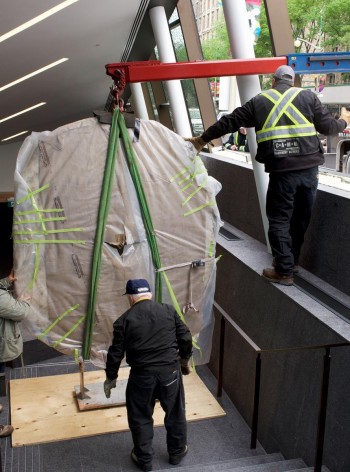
[[44, 409]]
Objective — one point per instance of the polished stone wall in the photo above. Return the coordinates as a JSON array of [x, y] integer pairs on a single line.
[[282, 317]]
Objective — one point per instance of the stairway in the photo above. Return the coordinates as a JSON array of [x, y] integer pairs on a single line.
[[261, 463], [215, 445]]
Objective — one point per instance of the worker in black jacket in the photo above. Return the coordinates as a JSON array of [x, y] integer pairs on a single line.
[[158, 347], [286, 121]]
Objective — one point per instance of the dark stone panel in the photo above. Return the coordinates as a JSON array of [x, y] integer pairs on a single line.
[[6, 252], [326, 251], [290, 382], [238, 200]]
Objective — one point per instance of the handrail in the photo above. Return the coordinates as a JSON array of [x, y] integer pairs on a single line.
[[277, 349], [324, 388]]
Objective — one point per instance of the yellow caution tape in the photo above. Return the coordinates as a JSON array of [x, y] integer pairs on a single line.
[[69, 332], [49, 241], [31, 194], [199, 208], [57, 320], [43, 220]]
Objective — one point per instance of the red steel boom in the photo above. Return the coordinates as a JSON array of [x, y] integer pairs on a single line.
[[144, 71]]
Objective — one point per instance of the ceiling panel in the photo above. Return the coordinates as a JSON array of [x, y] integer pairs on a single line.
[[90, 33]]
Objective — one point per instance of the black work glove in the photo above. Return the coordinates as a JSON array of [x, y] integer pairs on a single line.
[[185, 366], [108, 385]]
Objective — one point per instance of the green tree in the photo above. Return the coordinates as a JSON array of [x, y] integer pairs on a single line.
[[336, 25], [217, 47], [324, 23], [263, 46]]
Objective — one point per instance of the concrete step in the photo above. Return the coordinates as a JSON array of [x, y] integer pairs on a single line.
[[261, 463], [310, 469], [231, 464], [280, 466]]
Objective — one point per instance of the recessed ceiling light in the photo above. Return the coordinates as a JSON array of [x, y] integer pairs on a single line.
[[37, 19], [14, 136], [23, 111], [28, 76]]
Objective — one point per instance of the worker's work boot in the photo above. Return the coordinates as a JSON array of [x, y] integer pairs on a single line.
[[140, 465], [175, 459], [273, 276], [5, 430], [295, 267]]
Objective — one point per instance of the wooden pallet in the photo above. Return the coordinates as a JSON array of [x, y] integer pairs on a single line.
[[45, 409]]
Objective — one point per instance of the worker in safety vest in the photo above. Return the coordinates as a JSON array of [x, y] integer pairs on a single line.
[[238, 141], [286, 121]]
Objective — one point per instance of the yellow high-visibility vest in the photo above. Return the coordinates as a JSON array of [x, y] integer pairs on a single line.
[[283, 106]]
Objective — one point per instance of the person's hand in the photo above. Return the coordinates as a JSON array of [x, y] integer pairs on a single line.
[[185, 366], [108, 385], [345, 115], [198, 142], [233, 147], [12, 276], [25, 298]]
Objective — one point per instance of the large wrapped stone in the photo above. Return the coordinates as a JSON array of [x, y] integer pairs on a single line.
[[58, 182]]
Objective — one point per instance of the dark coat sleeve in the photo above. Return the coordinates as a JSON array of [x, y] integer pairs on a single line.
[[230, 123], [183, 337], [323, 120], [116, 350]]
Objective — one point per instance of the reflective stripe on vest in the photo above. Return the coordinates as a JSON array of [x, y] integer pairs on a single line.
[[283, 106]]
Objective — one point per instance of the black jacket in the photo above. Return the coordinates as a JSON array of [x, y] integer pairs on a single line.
[[254, 114], [239, 139], [153, 337]]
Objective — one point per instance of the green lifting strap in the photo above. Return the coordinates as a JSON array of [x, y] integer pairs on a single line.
[[147, 221], [118, 128], [146, 216], [100, 229]]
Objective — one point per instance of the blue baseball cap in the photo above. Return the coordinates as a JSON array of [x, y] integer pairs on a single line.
[[136, 287]]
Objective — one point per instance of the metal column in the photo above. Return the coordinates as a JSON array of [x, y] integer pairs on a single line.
[[242, 48], [166, 54], [139, 101]]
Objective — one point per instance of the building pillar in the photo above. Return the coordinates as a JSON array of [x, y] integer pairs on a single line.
[[166, 54], [194, 52], [139, 101], [241, 43]]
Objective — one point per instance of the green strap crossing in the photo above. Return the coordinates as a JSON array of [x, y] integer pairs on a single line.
[[100, 229]]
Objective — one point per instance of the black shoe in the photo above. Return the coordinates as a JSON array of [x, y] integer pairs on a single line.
[[175, 459], [144, 467]]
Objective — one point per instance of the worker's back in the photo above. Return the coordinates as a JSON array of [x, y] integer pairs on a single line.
[[153, 334]]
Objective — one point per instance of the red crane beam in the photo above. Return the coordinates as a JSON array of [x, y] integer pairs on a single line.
[[145, 71]]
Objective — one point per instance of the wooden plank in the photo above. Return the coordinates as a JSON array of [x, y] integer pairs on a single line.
[[44, 409]]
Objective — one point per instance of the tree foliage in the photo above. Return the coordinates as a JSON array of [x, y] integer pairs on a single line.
[[323, 23], [217, 47]]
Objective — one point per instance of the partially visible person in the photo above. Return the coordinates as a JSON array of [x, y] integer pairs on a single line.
[[238, 141], [286, 121], [158, 347], [12, 311]]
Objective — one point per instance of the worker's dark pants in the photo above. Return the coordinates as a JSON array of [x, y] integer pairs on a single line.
[[289, 201], [141, 393]]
